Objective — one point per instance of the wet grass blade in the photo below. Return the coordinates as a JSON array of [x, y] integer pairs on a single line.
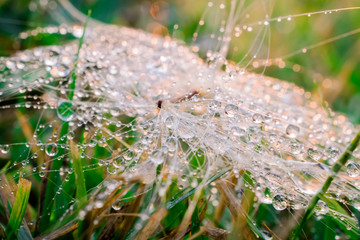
[[335, 169], [4, 168], [173, 201], [81, 193], [176, 199], [54, 177], [18, 209]]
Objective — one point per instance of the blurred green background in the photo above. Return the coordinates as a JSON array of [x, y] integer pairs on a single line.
[[335, 65]]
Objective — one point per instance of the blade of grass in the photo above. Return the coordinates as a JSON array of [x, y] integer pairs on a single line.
[[152, 224], [334, 171], [54, 177], [29, 132], [18, 209], [174, 201], [239, 214], [4, 168], [81, 193]]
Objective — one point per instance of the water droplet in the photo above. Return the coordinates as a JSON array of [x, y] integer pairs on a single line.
[[157, 157], [92, 143], [118, 162], [60, 70], [257, 118], [128, 155], [42, 174], [43, 166], [115, 111], [111, 169], [116, 206], [237, 132], [65, 110], [314, 154], [279, 202], [231, 110], [51, 149], [353, 169], [5, 149], [295, 148], [214, 106], [171, 122], [171, 144], [185, 131], [70, 135], [322, 207], [292, 131], [51, 58]]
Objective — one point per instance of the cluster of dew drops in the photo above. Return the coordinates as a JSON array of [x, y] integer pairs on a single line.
[[150, 101]]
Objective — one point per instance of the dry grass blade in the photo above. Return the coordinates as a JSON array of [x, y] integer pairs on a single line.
[[152, 224], [237, 210], [271, 232], [134, 207], [219, 210], [5, 194], [216, 233], [69, 227], [97, 212]]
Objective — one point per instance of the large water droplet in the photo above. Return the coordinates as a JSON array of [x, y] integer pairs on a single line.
[[42, 174], [310, 179], [353, 169], [60, 70], [65, 110], [5, 149], [115, 111], [279, 202], [128, 155], [157, 157], [51, 149], [292, 131], [51, 58]]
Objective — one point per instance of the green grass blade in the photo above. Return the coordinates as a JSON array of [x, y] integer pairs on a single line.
[[81, 193], [53, 183], [73, 75], [335, 169], [172, 202], [54, 177], [18, 209]]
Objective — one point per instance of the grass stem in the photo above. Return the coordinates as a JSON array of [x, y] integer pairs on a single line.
[[334, 171]]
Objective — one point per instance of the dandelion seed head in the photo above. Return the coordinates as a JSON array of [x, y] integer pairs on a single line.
[[167, 107]]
